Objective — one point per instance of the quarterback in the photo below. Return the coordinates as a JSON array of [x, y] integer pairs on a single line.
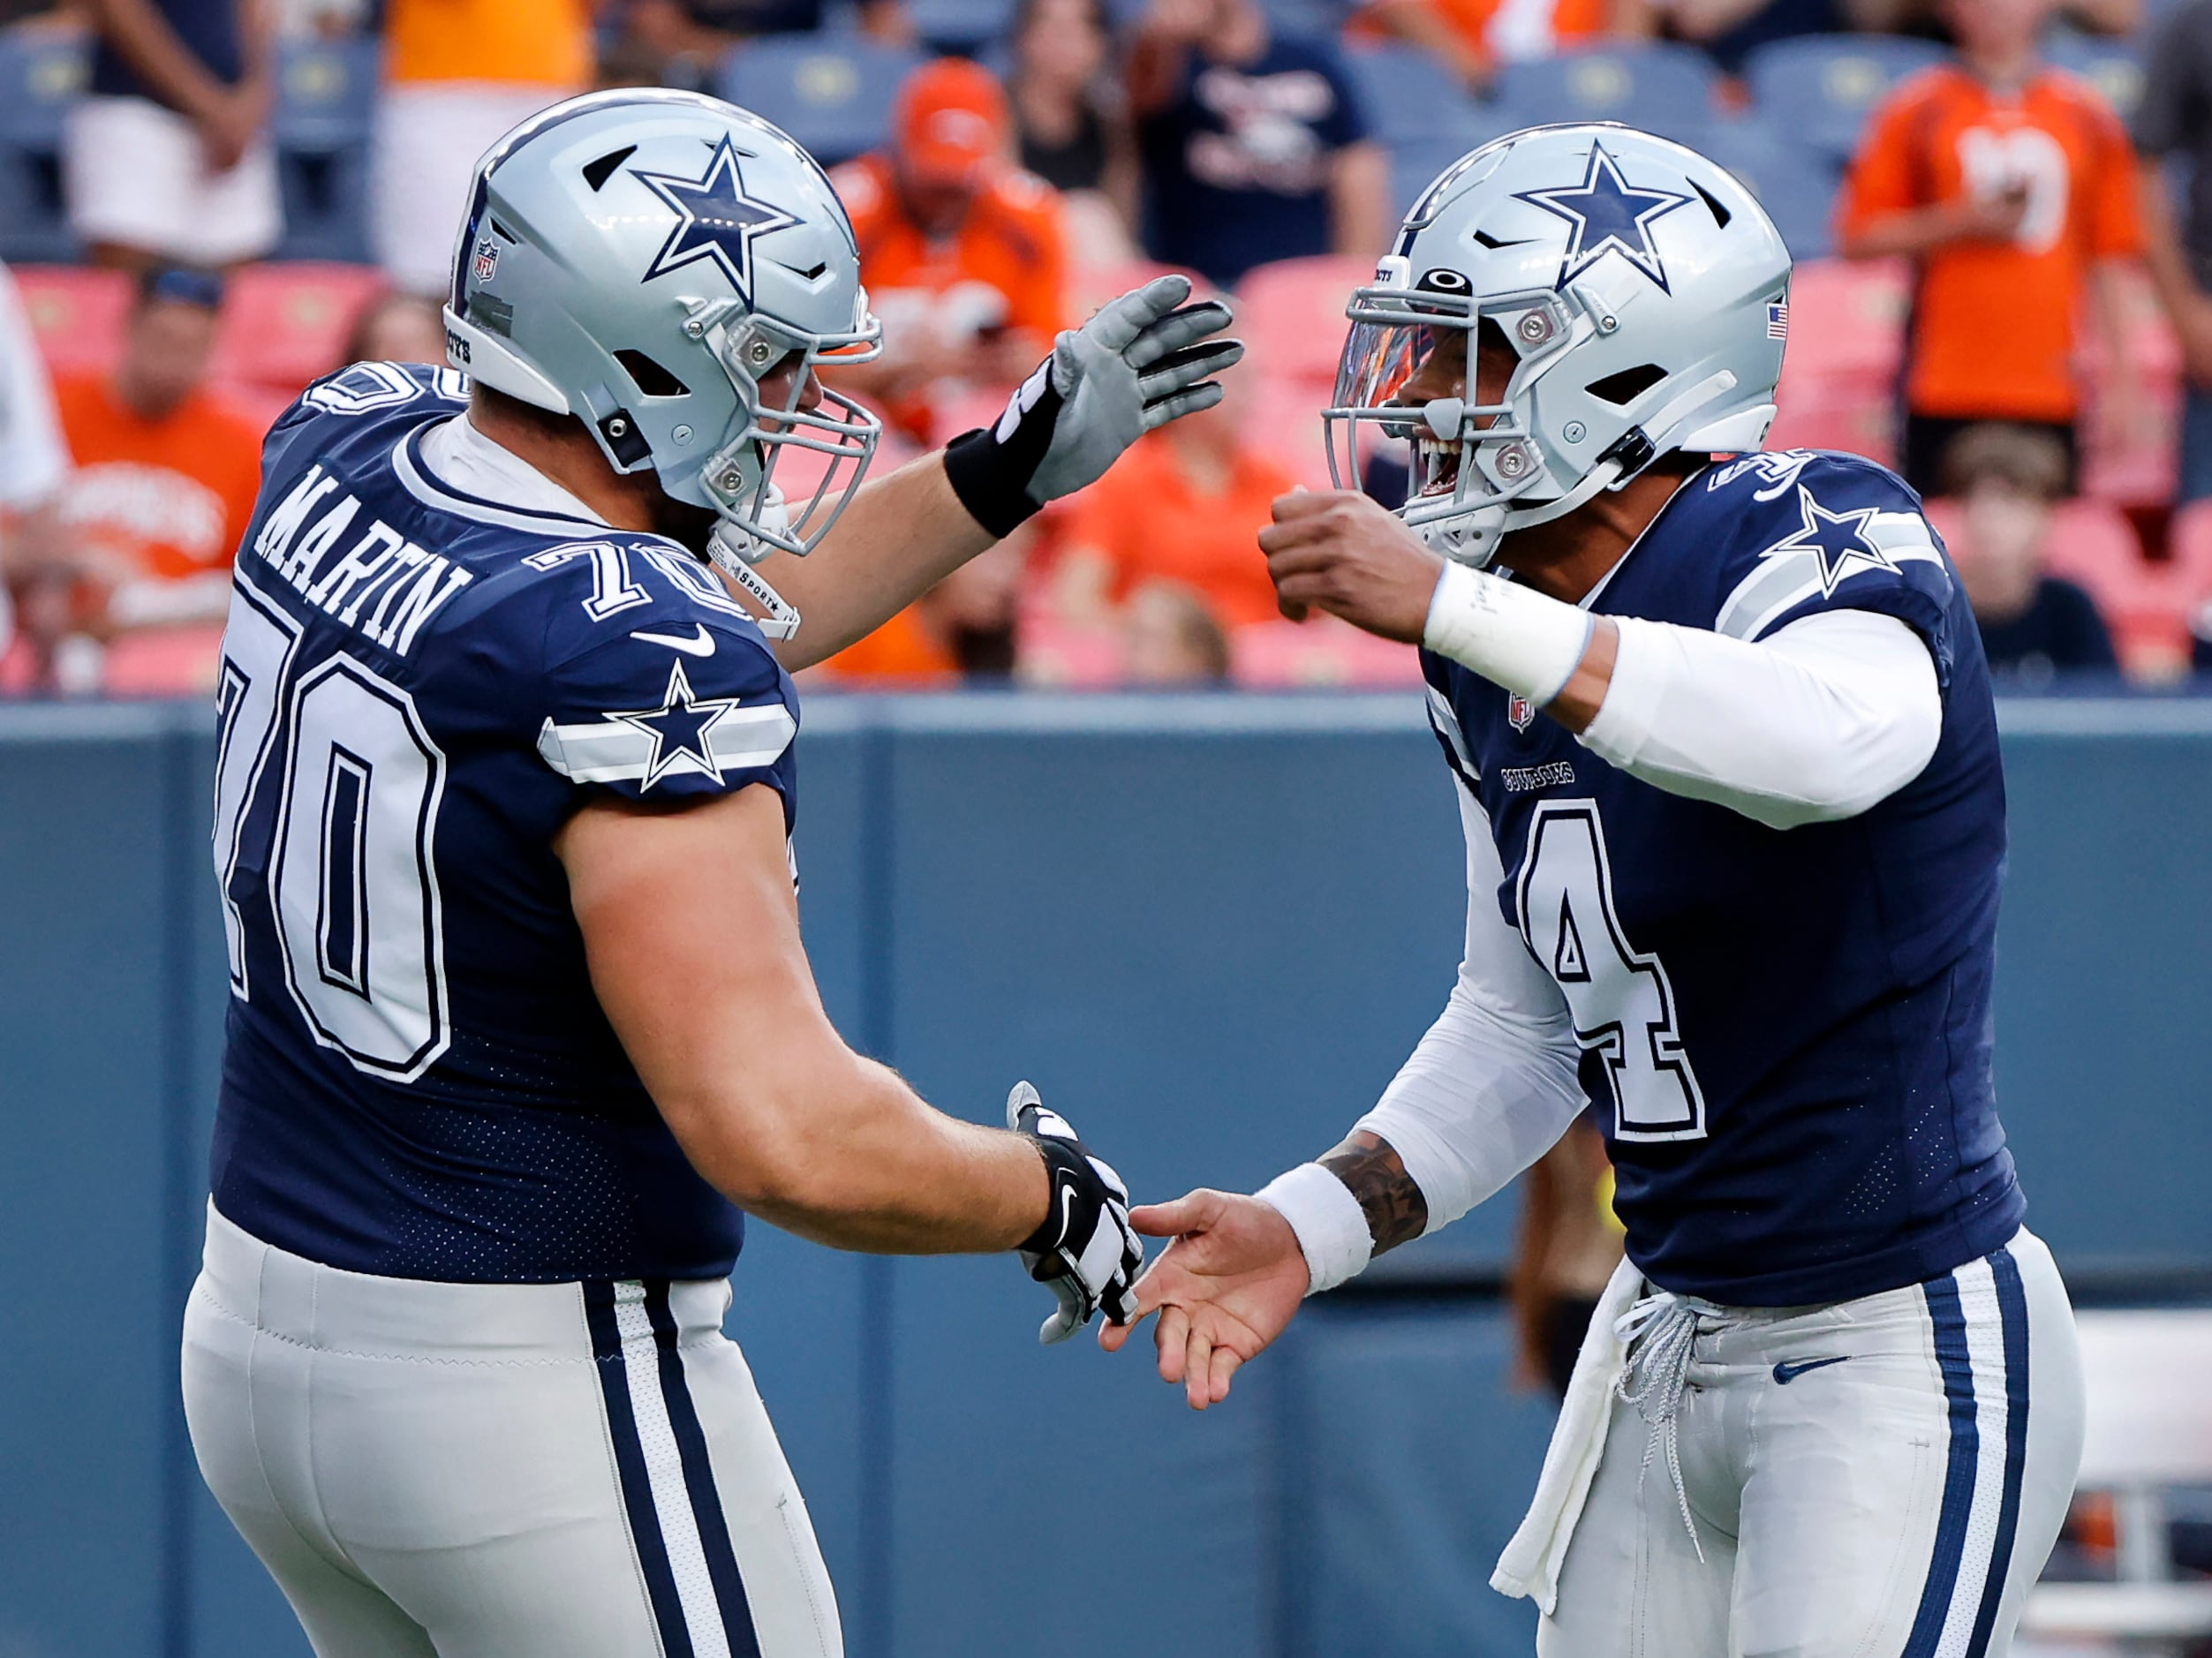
[[520, 1016], [1727, 765]]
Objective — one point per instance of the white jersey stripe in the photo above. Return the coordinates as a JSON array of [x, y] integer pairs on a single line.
[[664, 1472], [1985, 1349]]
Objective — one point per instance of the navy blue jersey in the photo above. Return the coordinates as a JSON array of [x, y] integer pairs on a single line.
[[418, 689], [1787, 1033]]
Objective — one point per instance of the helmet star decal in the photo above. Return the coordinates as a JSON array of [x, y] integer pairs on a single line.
[[719, 220], [1608, 215], [1837, 540]]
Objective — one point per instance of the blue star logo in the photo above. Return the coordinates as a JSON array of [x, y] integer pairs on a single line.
[[716, 220], [1608, 216], [1837, 540], [679, 729]]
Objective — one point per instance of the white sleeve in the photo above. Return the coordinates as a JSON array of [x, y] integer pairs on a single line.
[[1819, 720], [1492, 1084], [33, 459]]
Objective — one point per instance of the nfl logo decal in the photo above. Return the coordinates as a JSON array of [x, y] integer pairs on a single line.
[[1520, 712], [487, 259]]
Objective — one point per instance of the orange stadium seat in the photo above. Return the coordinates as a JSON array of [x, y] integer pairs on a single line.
[[76, 313], [1291, 313], [286, 324]]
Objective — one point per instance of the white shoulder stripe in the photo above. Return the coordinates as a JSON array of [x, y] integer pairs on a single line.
[[1446, 722], [616, 750], [1786, 577]]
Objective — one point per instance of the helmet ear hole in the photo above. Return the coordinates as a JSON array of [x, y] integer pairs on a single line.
[[650, 377], [1625, 388]]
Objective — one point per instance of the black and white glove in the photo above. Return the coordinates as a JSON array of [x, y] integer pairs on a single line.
[[1138, 363], [1085, 1249]]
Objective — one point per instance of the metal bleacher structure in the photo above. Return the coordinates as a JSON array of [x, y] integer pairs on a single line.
[[1786, 128]]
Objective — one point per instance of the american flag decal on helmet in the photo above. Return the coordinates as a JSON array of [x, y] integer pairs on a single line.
[[1778, 320]]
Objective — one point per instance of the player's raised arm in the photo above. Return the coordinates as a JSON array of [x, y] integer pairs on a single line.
[[1484, 1093], [1142, 360]]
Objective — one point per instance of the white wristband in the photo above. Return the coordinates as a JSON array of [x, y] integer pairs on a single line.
[[1332, 1226], [1512, 635]]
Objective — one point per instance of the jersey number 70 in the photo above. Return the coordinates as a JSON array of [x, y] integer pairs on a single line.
[[1622, 1003]]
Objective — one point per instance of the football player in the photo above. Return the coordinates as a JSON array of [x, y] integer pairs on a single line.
[[1727, 765], [520, 1015]]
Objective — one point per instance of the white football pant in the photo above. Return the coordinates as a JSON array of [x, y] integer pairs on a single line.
[[1881, 1478], [498, 1470]]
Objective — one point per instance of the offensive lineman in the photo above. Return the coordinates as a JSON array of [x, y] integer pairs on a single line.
[[519, 1003], [1728, 770]]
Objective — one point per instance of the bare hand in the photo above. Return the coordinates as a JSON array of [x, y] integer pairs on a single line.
[[1990, 218], [1337, 550], [1228, 1285], [228, 126]]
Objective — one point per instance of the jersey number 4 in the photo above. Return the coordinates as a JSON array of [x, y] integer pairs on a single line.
[[1622, 1003], [357, 786]]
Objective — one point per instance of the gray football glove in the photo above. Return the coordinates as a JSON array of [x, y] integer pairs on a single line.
[[1138, 363], [1084, 1250]]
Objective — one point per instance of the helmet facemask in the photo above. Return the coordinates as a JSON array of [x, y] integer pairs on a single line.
[[1469, 461], [754, 517]]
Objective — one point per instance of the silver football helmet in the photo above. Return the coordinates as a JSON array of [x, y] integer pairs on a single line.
[[1642, 289], [645, 261]]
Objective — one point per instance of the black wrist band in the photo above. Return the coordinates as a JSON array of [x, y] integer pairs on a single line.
[[1061, 1160], [981, 474]]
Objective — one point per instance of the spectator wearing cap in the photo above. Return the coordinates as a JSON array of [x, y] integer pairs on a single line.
[[962, 252], [166, 158], [2034, 625], [2012, 188], [165, 477], [458, 75], [1254, 145]]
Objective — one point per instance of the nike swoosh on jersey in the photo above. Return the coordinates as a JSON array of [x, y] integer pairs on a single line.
[[1790, 1369], [702, 646]]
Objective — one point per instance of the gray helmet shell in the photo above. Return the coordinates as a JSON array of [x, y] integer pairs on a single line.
[[644, 259], [1642, 288]]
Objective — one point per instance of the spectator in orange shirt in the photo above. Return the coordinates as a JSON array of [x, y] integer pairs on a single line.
[[962, 252], [457, 74], [2012, 186], [1182, 506], [164, 481]]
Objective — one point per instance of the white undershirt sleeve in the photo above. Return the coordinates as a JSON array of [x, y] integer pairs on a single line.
[[1819, 720], [1492, 1085]]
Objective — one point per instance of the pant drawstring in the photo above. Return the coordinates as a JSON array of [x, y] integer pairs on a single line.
[[1653, 1380]]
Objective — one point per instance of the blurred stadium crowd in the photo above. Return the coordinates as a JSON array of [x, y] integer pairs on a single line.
[[2002, 211]]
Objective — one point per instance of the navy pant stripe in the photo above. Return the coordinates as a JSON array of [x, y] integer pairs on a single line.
[[698, 1478], [2012, 1307], [1952, 1357], [630, 1465]]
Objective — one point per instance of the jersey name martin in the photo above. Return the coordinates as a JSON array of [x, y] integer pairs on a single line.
[[382, 582], [1787, 1033], [420, 688]]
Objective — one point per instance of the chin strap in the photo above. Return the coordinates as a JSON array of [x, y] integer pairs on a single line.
[[734, 558]]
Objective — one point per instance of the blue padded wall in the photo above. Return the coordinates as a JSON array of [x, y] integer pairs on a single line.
[[1208, 928]]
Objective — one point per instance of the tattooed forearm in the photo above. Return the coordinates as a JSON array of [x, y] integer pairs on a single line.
[[1396, 1211]]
